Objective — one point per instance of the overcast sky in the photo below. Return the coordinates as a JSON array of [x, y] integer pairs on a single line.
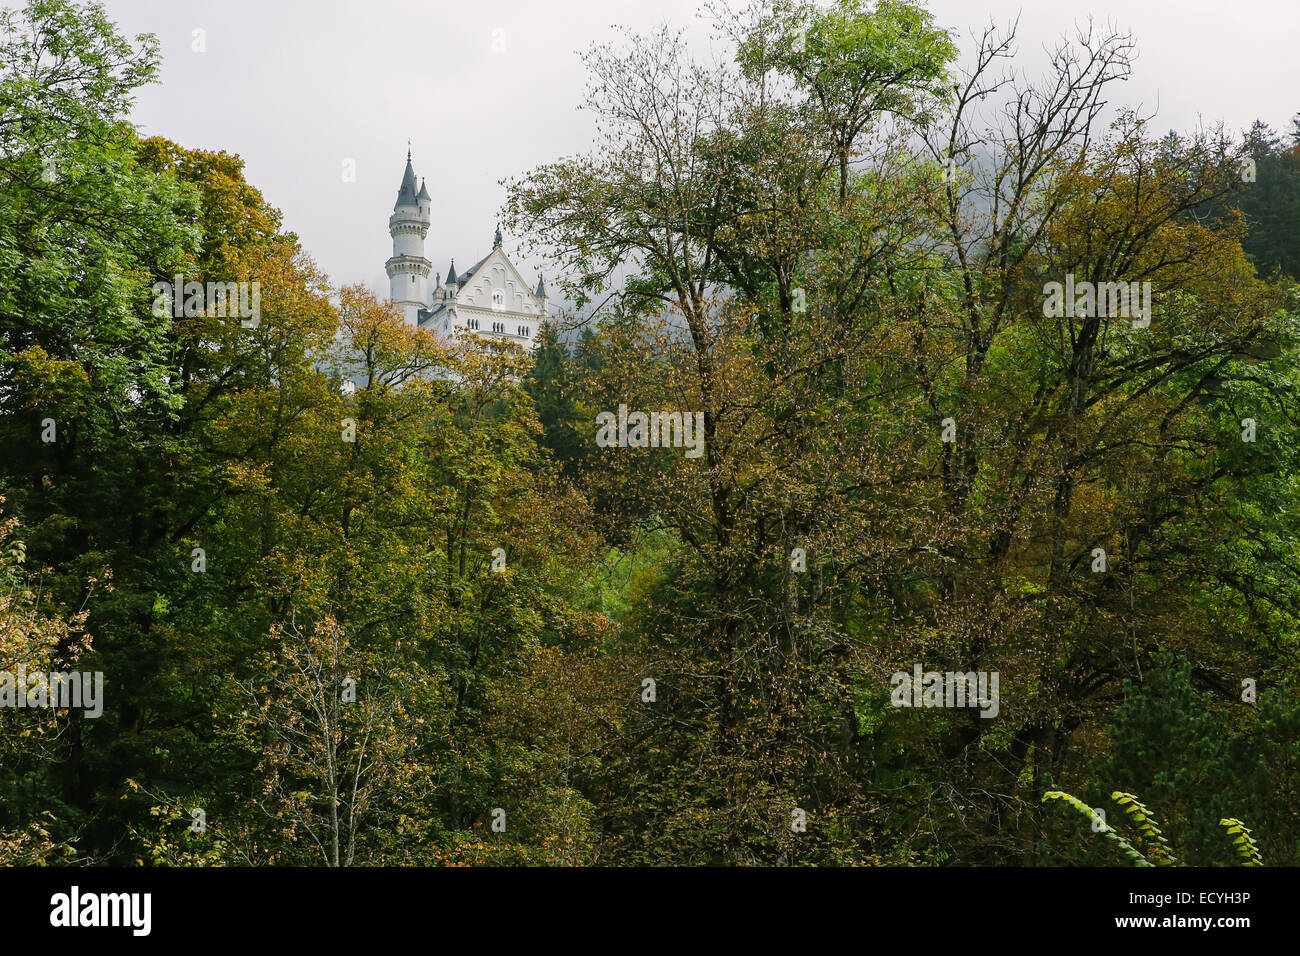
[[296, 87]]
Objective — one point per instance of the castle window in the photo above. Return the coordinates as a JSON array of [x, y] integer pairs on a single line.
[[498, 300]]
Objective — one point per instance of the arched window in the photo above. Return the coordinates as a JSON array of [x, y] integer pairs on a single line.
[[498, 300]]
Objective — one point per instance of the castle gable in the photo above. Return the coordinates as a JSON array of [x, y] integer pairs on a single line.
[[495, 285]]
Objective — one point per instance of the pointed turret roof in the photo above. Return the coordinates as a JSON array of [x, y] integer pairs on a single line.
[[451, 272], [406, 193], [424, 193], [541, 286]]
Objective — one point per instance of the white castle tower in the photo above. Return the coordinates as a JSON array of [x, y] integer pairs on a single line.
[[408, 270], [489, 299]]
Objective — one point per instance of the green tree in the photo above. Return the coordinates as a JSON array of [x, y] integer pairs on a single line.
[[550, 384]]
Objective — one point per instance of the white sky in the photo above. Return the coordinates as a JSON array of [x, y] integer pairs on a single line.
[[297, 86]]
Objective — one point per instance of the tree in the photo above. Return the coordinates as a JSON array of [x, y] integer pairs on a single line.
[[35, 829], [823, 413], [550, 385], [337, 740], [854, 63]]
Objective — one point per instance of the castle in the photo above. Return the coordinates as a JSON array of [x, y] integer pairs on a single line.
[[489, 298]]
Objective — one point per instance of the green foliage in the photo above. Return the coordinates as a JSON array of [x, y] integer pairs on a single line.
[[1245, 846], [1099, 825], [1158, 852], [614, 649], [550, 385], [1202, 756], [1271, 204], [1152, 837]]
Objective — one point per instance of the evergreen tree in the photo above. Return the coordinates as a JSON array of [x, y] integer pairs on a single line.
[[550, 383]]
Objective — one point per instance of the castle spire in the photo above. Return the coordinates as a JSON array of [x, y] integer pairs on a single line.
[[406, 192], [407, 268]]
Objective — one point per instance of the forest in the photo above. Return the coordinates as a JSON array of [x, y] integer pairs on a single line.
[[824, 538]]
